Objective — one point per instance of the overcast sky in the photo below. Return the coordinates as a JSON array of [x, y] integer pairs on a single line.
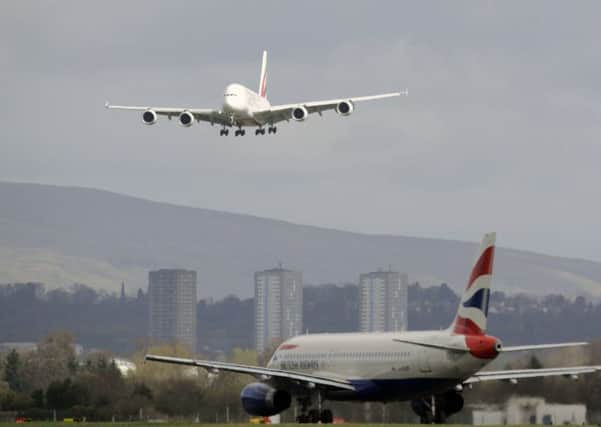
[[501, 129]]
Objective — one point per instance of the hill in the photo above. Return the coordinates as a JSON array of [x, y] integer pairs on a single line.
[[62, 235]]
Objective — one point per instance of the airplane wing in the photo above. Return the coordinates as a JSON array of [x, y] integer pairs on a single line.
[[517, 374], [200, 114], [310, 381], [279, 113]]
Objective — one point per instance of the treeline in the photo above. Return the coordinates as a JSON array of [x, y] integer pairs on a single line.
[[51, 382], [118, 323]]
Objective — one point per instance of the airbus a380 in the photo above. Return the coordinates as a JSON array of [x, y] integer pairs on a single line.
[[243, 107], [429, 368]]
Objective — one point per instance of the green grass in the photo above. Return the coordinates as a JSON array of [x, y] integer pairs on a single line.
[[107, 424]]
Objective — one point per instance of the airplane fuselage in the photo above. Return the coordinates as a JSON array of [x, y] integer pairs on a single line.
[[240, 103], [384, 366]]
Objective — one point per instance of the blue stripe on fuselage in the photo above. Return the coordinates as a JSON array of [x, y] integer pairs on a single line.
[[394, 389]]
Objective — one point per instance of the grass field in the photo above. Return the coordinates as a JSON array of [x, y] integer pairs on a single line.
[[116, 424]]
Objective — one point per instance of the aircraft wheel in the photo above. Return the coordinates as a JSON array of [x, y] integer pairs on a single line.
[[326, 416], [314, 416]]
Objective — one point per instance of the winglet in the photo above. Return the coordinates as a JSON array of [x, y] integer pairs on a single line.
[[107, 104]]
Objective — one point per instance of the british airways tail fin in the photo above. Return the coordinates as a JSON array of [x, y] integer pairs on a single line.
[[263, 79], [473, 309]]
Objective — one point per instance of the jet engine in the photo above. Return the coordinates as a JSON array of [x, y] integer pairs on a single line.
[[186, 119], [262, 400], [149, 117], [345, 108], [299, 113]]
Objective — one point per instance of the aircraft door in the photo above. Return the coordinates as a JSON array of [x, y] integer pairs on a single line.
[[424, 362]]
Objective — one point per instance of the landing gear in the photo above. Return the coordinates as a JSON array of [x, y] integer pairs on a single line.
[[272, 129], [313, 415], [240, 132], [326, 416], [224, 132], [260, 131], [436, 409]]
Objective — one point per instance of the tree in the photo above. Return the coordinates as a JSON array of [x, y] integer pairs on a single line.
[[179, 396], [65, 394], [13, 371], [54, 360], [152, 372]]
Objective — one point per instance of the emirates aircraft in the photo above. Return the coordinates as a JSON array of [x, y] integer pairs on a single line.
[[428, 368], [243, 107]]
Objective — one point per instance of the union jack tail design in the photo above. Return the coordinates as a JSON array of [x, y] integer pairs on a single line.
[[263, 79], [473, 308]]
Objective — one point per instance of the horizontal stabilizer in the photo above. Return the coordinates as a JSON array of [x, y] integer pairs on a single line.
[[517, 374], [542, 346]]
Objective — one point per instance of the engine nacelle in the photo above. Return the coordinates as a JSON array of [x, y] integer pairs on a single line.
[[299, 113], [186, 119], [262, 400], [345, 108], [149, 117]]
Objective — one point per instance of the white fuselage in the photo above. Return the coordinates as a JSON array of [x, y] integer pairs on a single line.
[[240, 103], [379, 367]]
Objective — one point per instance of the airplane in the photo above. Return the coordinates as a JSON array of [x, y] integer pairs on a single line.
[[243, 107], [428, 368]]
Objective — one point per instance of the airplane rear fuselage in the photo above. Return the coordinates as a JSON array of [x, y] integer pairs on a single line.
[[381, 366]]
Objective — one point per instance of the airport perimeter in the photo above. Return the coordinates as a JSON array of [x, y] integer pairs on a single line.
[[182, 424]]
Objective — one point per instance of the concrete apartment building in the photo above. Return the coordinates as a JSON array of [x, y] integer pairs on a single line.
[[172, 307], [278, 306], [383, 301]]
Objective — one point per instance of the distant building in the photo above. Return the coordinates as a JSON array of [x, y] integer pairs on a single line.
[[383, 301], [278, 306], [172, 307], [19, 347], [531, 410], [28, 347], [125, 366]]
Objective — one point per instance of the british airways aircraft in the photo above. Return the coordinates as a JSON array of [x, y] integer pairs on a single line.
[[428, 368], [243, 107]]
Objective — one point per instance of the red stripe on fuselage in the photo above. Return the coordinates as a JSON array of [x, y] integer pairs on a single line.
[[287, 347], [483, 266]]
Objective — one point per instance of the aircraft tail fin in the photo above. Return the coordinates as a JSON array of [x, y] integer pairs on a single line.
[[263, 80], [473, 309]]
